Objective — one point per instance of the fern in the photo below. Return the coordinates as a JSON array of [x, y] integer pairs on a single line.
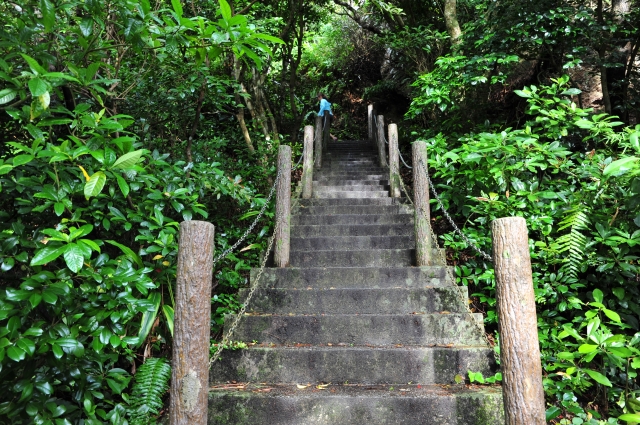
[[150, 383], [575, 241]]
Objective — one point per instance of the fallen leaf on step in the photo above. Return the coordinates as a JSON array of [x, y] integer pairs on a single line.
[[322, 386], [302, 387], [329, 344], [445, 312]]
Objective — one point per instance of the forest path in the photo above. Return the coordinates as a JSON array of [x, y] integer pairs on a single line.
[[351, 332]]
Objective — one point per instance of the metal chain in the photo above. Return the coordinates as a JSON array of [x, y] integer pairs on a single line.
[[227, 336], [443, 261], [253, 225], [402, 159], [450, 220], [383, 135]]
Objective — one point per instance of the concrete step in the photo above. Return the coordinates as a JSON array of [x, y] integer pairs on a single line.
[[357, 365], [356, 405], [354, 209], [353, 258], [350, 194], [353, 219], [328, 202], [343, 182], [353, 242], [353, 277], [328, 188], [358, 301], [427, 329], [348, 176], [300, 231]]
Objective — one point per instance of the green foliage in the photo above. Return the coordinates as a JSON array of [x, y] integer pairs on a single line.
[[150, 384], [581, 212]]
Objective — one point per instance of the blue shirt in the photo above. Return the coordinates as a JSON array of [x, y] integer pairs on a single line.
[[324, 106]]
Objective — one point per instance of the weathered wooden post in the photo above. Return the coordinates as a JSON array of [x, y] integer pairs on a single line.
[[283, 208], [381, 149], [370, 121], [318, 143], [421, 203], [307, 163], [326, 130], [394, 161], [191, 335], [519, 350]]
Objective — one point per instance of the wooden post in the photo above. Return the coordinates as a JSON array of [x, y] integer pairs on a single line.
[[370, 121], [326, 130], [519, 350], [283, 208], [307, 163], [191, 337], [421, 203], [381, 149], [318, 142], [394, 161]]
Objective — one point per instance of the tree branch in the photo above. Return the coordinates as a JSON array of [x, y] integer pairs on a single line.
[[357, 19], [247, 7]]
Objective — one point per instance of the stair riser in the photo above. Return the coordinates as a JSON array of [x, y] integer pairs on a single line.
[[354, 209], [358, 301], [354, 365], [328, 188], [353, 242], [349, 202], [379, 330], [313, 407], [355, 258], [352, 230], [343, 182], [352, 219], [348, 277], [350, 194]]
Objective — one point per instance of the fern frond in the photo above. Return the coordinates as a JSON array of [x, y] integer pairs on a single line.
[[575, 241], [151, 382]]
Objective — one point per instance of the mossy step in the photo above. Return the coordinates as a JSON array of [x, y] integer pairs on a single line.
[[353, 277], [356, 300], [352, 242], [357, 365], [355, 405], [300, 231], [360, 329], [353, 209], [353, 219], [352, 258]]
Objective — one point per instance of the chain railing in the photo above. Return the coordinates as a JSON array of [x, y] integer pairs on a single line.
[[255, 284], [450, 220], [462, 295]]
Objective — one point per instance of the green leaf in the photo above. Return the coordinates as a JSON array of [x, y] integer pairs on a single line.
[[22, 159], [7, 95], [38, 87], [128, 252], [633, 138], [148, 317], [73, 257], [122, 184], [127, 160], [268, 38], [552, 412], [598, 377], [27, 345], [598, 296], [86, 26], [48, 11], [612, 315], [571, 92], [168, 314], [587, 348], [57, 351], [225, 10], [522, 93], [630, 417], [33, 64], [95, 184], [16, 354], [32, 332], [5, 168], [620, 166], [47, 255], [177, 7]]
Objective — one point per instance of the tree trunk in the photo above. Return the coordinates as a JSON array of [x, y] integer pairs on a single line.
[[191, 338], [237, 74], [451, 21], [519, 350]]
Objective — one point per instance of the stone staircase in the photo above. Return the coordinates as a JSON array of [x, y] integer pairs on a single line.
[[351, 333]]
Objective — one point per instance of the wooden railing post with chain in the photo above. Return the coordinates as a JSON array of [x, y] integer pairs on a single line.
[[191, 337], [283, 208], [421, 201], [307, 163], [394, 162], [318, 143], [382, 155]]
